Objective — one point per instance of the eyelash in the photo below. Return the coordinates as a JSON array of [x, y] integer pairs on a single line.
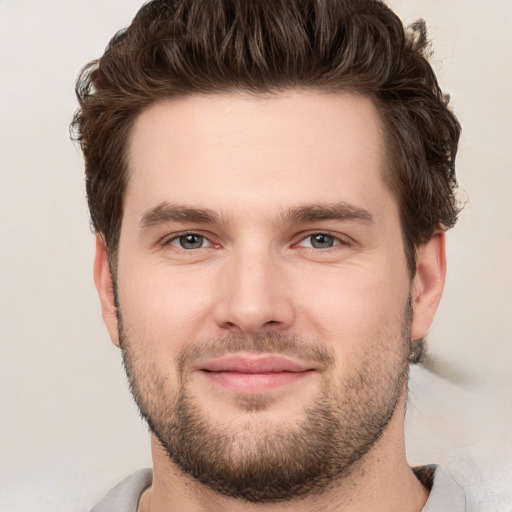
[[178, 236], [337, 240]]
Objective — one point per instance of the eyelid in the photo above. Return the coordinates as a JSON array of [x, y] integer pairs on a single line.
[[168, 239], [341, 239]]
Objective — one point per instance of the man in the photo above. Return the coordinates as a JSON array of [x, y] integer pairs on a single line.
[[270, 183]]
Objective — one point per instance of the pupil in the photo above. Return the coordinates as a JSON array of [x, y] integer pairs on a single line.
[[191, 241], [322, 241]]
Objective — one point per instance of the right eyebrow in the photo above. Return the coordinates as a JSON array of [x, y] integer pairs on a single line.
[[167, 212]]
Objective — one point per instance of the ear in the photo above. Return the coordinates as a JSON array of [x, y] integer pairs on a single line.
[[103, 282], [428, 283]]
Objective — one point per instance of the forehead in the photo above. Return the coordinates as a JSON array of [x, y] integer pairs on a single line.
[[273, 150]]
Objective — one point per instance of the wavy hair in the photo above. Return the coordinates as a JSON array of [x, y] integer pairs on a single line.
[[175, 48]]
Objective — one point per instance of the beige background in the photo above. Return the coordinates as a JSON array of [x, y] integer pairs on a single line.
[[68, 429]]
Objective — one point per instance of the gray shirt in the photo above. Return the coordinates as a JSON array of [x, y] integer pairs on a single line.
[[445, 495]]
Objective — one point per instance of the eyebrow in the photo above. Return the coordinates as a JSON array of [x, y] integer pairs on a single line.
[[167, 212], [336, 211]]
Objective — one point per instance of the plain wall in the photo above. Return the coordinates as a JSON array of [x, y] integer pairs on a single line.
[[69, 430]]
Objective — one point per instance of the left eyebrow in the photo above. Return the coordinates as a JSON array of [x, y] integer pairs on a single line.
[[321, 212]]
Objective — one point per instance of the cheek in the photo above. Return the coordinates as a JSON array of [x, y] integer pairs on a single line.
[[355, 308], [164, 308]]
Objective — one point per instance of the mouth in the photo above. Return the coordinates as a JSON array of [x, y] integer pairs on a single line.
[[255, 374]]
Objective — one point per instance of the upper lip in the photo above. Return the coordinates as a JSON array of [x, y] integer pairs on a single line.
[[254, 364]]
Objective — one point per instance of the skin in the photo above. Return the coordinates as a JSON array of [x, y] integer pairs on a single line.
[[251, 159]]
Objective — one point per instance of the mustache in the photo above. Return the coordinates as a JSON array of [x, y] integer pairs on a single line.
[[268, 343]]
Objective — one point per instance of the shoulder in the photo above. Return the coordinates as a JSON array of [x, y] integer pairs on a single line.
[[124, 497], [445, 493]]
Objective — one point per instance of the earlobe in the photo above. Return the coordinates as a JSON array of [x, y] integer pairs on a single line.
[[428, 283], [103, 282]]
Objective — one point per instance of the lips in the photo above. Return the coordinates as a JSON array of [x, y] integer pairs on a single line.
[[261, 364], [254, 373]]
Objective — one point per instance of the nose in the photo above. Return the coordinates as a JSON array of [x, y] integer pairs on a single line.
[[253, 295]]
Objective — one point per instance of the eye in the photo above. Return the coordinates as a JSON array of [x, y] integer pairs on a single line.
[[320, 241], [190, 241]]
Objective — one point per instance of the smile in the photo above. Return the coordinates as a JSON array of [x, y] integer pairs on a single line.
[[255, 374]]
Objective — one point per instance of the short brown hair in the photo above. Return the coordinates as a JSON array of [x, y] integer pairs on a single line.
[[176, 48]]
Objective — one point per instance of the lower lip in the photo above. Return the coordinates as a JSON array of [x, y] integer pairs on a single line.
[[255, 382]]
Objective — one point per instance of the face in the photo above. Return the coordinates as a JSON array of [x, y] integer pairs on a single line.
[[264, 305]]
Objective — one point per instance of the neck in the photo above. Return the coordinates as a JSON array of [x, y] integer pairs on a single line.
[[380, 481]]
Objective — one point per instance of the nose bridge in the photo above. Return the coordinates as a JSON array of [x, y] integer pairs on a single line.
[[254, 297]]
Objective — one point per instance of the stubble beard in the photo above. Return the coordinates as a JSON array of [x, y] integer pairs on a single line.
[[273, 462]]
